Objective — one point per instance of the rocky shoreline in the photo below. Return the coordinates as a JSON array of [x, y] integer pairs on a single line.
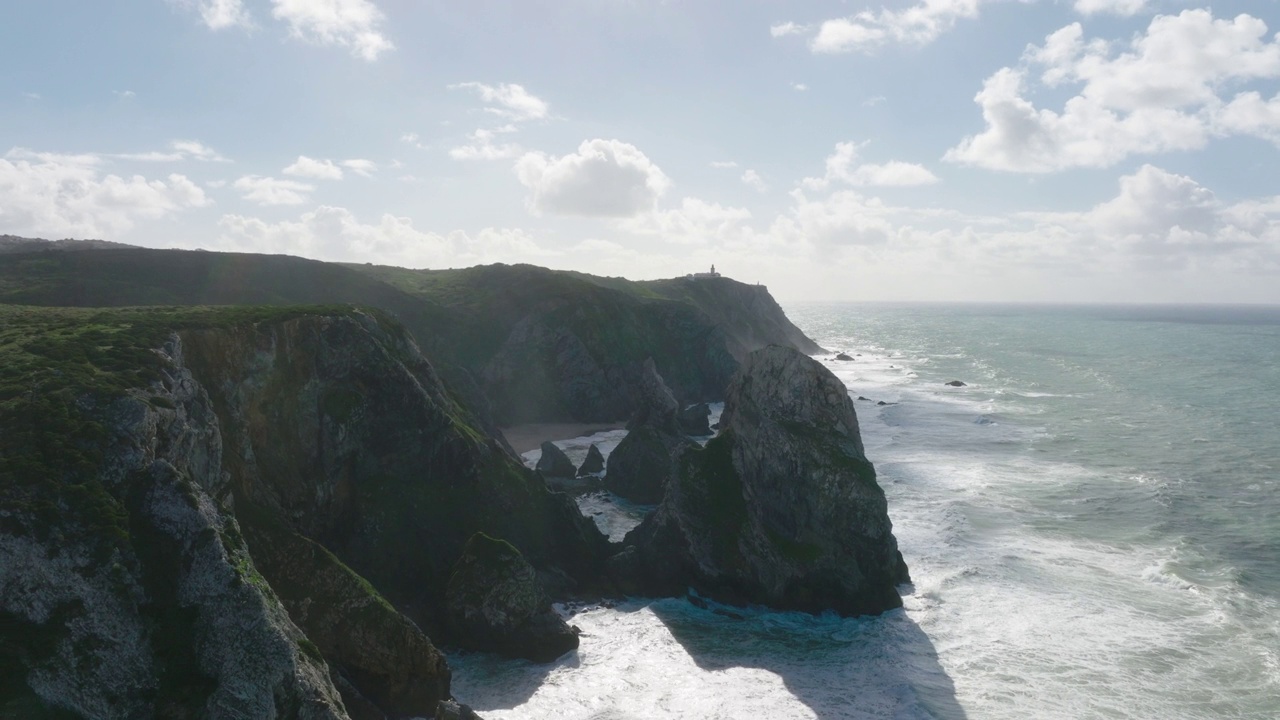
[[288, 512]]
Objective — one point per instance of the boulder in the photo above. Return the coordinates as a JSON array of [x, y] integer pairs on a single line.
[[844, 356], [594, 464], [782, 508], [495, 602], [955, 383], [694, 420], [554, 463], [640, 467]]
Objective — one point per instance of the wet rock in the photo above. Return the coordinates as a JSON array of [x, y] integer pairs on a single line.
[[844, 356], [955, 383]]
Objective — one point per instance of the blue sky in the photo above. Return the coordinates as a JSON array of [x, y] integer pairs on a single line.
[[1031, 150]]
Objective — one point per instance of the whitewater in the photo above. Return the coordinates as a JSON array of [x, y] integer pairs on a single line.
[[1092, 524]]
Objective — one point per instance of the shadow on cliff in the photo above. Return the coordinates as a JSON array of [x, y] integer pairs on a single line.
[[840, 668]]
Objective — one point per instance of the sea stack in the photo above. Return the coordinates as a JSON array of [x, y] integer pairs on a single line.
[[642, 464], [782, 508]]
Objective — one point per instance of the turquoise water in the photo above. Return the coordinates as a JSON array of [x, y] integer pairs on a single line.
[[1092, 524]]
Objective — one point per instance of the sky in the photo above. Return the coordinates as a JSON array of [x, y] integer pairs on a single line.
[[956, 150]]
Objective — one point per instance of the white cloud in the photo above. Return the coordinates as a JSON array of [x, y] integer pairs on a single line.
[[178, 150], [66, 195], [360, 166], [752, 179], [787, 28], [412, 138], [867, 30], [271, 191], [1115, 7], [336, 234], [694, 222], [723, 164], [219, 14], [842, 166], [1161, 94], [316, 169], [799, 87], [482, 147], [508, 100], [604, 178], [124, 94], [197, 151], [352, 24]]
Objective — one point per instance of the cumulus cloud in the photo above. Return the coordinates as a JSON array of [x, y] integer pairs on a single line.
[[481, 146], [1161, 93], [723, 164], [68, 195], [508, 100], [361, 167], [272, 191], [752, 179], [316, 169], [865, 31], [353, 24], [1124, 8], [842, 166], [604, 178]]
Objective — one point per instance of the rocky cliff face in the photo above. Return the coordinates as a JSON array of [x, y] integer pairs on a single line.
[[208, 543], [148, 604], [643, 463], [782, 508]]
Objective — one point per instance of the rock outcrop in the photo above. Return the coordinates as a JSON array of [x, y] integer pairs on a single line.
[[594, 462], [494, 600], [554, 463], [781, 508], [642, 464]]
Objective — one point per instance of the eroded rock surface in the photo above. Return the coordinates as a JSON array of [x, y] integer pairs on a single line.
[[643, 463], [495, 601], [782, 508]]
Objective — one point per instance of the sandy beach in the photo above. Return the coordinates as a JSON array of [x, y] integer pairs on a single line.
[[524, 438]]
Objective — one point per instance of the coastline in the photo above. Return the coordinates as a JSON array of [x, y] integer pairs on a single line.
[[524, 438]]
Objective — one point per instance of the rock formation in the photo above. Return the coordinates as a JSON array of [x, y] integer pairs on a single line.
[[782, 508], [554, 463], [594, 462], [494, 600], [640, 467]]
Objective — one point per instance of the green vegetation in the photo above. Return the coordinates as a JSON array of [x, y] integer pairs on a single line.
[[60, 370]]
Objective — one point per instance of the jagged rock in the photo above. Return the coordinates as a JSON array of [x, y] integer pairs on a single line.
[[844, 356], [694, 420], [593, 464], [865, 399], [782, 508], [640, 467], [494, 600], [554, 463], [955, 383], [452, 710]]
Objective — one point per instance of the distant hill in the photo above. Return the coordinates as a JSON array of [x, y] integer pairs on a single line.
[[15, 244], [515, 343]]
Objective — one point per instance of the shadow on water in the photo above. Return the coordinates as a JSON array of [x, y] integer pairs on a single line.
[[840, 668]]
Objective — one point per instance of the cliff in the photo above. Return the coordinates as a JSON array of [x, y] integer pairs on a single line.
[[782, 508], [242, 512], [514, 344]]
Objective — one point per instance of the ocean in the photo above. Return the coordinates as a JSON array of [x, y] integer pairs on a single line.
[[1092, 524]]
